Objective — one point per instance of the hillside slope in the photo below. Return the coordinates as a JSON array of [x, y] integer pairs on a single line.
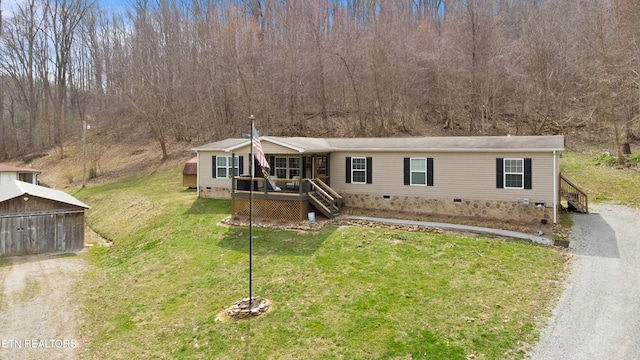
[[112, 161]]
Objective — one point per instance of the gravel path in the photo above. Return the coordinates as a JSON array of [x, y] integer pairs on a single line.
[[37, 310], [598, 316]]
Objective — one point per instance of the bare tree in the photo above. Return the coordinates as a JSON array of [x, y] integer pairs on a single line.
[[23, 42], [65, 19]]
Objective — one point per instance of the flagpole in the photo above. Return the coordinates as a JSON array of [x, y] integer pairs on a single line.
[[252, 172]]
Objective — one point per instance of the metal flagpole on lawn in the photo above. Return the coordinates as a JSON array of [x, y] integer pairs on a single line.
[[252, 172]]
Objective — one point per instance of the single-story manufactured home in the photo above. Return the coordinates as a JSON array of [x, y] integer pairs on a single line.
[[9, 173], [506, 178], [35, 219]]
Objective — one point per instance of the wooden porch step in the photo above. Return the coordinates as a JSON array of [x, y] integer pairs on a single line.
[[575, 197]]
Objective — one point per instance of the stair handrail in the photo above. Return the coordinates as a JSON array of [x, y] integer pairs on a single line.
[[323, 185], [320, 190], [318, 187], [318, 203], [583, 198]]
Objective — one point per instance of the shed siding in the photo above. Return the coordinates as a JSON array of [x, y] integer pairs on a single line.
[[189, 181], [456, 175], [41, 233], [34, 204]]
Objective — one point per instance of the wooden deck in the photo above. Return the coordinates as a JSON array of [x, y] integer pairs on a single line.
[[292, 202]]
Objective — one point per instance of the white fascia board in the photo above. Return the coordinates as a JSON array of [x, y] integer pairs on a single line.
[[445, 150], [237, 146], [283, 144]]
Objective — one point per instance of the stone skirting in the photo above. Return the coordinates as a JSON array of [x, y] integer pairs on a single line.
[[493, 209], [208, 192]]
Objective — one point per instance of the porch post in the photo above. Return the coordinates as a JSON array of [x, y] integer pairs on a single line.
[[233, 173], [302, 167]]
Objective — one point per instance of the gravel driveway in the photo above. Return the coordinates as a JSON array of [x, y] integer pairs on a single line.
[[38, 313], [598, 315]]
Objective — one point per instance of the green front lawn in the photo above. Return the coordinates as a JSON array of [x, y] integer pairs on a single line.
[[340, 292]]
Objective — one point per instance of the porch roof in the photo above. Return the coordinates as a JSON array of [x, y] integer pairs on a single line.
[[402, 144]]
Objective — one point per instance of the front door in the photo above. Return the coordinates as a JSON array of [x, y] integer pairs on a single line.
[[321, 168]]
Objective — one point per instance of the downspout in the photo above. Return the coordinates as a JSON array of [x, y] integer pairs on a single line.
[[555, 188]]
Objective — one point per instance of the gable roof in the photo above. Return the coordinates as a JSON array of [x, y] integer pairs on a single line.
[[9, 168], [402, 144], [191, 167], [16, 188]]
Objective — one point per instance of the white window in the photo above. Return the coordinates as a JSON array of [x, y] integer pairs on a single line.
[[294, 167], [287, 167], [514, 173], [281, 167], [224, 167], [359, 170], [419, 171]]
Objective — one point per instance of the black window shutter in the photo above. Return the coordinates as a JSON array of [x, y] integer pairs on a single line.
[[429, 171], [347, 175], [240, 165], [407, 171], [213, 167], [499, 173], [369, 170], [527, 174], [272, 164]]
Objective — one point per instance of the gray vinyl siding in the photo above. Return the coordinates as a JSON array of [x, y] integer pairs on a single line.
[[463, 175], [205, 170], [268, 148]]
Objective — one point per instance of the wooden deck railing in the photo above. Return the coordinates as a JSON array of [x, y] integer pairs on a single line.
[[574, 195], [321, 195], [327, 199], [260, 185]]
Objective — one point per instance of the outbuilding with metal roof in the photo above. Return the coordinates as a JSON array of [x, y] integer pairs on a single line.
[[35, 219]]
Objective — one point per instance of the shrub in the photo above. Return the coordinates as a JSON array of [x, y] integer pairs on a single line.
[[69, 176], [93, 172], [634, 158], [604, 159]]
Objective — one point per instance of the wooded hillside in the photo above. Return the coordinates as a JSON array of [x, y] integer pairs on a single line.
[[194, 70]]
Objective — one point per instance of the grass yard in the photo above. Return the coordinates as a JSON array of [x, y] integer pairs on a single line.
[[339, 292], [602, 181]]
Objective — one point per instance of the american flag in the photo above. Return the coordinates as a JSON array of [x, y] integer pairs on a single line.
[[257, 146], [262, 160]]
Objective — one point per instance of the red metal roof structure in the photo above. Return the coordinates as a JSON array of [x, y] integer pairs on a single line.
[[9, 168], [191, 167]]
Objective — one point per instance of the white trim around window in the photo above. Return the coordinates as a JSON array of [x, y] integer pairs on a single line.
[[224, 167], [418, 171], [358, 170], [286, 167], [513, 173]]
